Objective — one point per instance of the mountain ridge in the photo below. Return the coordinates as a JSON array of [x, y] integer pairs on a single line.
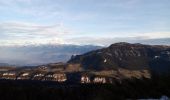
[[126, 55]]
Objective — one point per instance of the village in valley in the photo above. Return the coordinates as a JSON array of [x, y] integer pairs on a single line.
[[71, 73]]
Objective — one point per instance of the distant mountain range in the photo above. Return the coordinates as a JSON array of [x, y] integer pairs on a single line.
[[126, 56], [40, 54], [4, 64]]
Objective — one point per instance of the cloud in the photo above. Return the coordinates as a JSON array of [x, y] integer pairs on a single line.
[[155, 35], [20, 33], [13, 28], [147, 38], [32, 41], [42, 9], [49, 11], [108, 41], [29, 33]]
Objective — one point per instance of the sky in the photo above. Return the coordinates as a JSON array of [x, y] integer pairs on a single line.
[[97, 22]]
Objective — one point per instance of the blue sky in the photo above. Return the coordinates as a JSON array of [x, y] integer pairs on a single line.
[[98, 22]]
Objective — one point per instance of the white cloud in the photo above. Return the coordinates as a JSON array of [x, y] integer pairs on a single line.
[[154, 35], [41, 9], [19, 33], [34, 41], [33, 29], [133, 38]]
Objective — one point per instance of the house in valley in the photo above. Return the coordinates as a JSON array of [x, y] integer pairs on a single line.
[[59, 77], [48, 77], [55, 76], [99, 79], [24, 76], [85, 79], [9, 75], [42, 67], [38, 76]]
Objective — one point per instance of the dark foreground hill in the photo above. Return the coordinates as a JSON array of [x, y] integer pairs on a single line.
[[128, 89], [128, 56]]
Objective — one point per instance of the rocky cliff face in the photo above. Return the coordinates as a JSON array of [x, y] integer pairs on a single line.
[[127, 56]]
